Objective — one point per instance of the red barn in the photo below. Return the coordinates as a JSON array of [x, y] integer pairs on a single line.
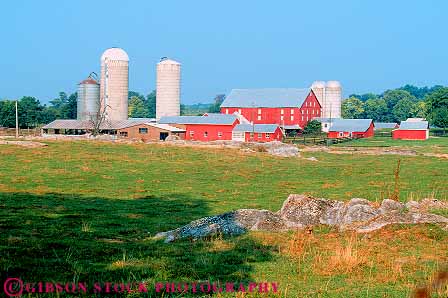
[[257, 133], [212, 127], [353, 128], [290, 108], [411, 130]]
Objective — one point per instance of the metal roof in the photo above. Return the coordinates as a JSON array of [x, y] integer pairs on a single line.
[[166, 127], [258, 128], [351, 125], [413, 125], [292, 126], [215, 119], [381, 125], [323, 119], [266, 98], [86, 124]]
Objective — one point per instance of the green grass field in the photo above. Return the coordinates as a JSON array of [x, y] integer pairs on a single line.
[[433, 144], [86, 211]]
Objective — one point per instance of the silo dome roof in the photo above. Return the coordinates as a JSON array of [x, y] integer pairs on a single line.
[[318, 84], [166, 60], [333, 84], [89, 81], [115, 54]]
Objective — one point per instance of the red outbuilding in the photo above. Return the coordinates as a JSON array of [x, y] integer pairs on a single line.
[[351, 128], [287, 107], [257, 133], [411, 130], [211, 127]]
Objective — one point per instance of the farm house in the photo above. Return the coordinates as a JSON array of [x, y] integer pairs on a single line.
[[134, 129], [210, 127], [412, 130], [257, 133], [288, 107], [351, 128]]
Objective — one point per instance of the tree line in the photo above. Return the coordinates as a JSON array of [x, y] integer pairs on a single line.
[[32, 113], [399, 104]]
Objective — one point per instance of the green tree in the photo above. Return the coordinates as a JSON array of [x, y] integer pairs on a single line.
[[403, 109], [7, 113], [30, 112], [217, 102], [137, 108], [352, 108], [64, 106], [313, 127], [364, 97], [437, 106], [419, 109], [72, 103], [393, 96], [376, 109], [150, 104]]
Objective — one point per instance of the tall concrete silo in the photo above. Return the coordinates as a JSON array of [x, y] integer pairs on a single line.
[[319, 89], [88, 99], [333, 99], [115, 83], [168, 88]]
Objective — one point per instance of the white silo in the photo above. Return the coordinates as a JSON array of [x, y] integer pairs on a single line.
[[318, 88], [88, 99], [168, 88], [333, 100], [114, 83]]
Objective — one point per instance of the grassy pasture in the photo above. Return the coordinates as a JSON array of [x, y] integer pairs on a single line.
[[85, 211]]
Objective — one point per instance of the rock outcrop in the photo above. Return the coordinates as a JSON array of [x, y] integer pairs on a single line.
[[301, 211]]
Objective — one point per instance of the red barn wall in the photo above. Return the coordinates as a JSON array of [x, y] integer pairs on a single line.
[[261, 137], [356, 134], [290, 116], [410, 134], [212, 132]]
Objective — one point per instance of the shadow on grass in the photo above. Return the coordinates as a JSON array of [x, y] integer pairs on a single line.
[[69, 238]]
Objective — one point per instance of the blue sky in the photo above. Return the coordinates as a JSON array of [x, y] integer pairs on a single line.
[[49, 46]]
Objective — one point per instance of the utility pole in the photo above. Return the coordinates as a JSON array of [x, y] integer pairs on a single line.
[[17, 121]]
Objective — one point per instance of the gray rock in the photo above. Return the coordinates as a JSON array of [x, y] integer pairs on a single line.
[[389, 205], [413, 206], [300, 211]]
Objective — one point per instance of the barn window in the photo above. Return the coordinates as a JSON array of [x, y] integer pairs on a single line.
[[123, 133], [143, 130], [281, 117], [260, 135], [292, 111], [239, 111], [205, 134], [307, 111], [191, 133], [219, 134], [251, 135], [314, 104], [292, 118], [281, 111], [302, 118], [259, 111], [259, 117], [312, 112], [341, 134], [227, 111], [268, 135]]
